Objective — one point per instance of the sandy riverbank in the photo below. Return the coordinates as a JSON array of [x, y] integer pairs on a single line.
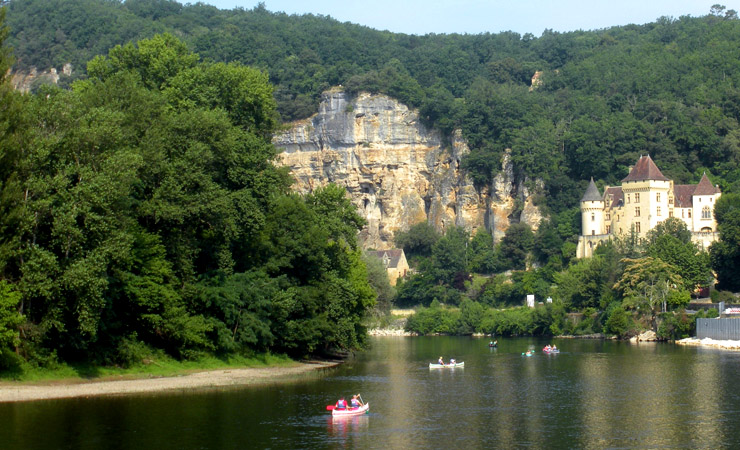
[[21, 392], [707, 342]]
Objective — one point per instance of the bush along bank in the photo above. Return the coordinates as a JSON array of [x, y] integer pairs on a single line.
[[547, 320]]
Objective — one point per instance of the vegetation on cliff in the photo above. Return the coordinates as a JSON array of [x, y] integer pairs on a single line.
[[140, 211]]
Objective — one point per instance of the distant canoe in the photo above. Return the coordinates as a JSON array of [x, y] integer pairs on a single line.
[[446, 366]]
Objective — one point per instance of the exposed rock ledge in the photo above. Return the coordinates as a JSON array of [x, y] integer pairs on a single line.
[[397, 171], [707, 342], [390, 332]]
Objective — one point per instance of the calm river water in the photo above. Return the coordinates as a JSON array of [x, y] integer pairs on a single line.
[[595, 394]]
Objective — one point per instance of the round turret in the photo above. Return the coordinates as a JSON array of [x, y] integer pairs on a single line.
[[592, 211]]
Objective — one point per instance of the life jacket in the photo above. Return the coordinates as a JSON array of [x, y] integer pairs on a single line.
[[355, 403], [341, 404]]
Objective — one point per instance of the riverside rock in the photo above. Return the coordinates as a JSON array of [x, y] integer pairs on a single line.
[[397, 171]]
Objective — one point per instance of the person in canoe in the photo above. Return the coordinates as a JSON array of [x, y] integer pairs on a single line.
[[341, 404], [356, 402], [441, 361], [452, 361]]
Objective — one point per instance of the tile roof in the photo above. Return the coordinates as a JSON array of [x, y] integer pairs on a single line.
[[705, 187], [616, 196], [682, 195], [645, 169], [393, 255], [592, 193]]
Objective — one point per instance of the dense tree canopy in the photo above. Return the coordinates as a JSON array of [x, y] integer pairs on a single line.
[[146, 211], [604, 97]]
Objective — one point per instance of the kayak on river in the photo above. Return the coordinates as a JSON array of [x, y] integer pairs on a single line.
[[445, 366], [351, 411]]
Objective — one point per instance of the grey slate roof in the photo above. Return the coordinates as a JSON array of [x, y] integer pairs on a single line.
[[592, 193]]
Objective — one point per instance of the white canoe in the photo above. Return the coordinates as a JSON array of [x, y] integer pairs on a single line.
[[446, 366], [351, 411]]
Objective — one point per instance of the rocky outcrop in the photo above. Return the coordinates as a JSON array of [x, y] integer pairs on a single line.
[[397, 171], [24, 81]]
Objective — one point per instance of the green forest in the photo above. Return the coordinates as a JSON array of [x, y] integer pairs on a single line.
[[140, 210]]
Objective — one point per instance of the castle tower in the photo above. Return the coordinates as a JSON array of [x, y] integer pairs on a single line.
[[592, 211], [592, 221], [646, 196]]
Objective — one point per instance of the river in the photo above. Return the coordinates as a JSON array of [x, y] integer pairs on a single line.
[[594, 394]]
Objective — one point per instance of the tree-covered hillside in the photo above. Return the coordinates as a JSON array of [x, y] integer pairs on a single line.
[[140, 209], [669, 88]]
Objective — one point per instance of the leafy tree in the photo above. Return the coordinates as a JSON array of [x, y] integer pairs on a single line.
[[378, 278], [725, 254], [10, 319], [449, 258], [516, 245], [418, 241], [646, 283]]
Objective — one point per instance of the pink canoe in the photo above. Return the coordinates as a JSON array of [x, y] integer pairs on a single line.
[[351, 411]]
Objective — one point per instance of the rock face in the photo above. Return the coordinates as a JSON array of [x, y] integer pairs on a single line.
[[397, 171], [23, 81]]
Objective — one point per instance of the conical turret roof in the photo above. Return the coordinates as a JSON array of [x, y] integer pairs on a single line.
[[592, 193], [705, 187]]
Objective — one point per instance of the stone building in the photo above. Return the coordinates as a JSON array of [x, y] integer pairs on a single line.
[[395, 263], [646, 198]]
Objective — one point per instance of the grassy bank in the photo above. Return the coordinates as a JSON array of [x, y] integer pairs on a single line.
[[161, 366]]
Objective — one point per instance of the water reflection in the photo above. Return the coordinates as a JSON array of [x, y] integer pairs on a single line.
[[594, 394]]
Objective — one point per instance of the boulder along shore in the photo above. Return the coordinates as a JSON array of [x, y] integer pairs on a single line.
[[21, 392]]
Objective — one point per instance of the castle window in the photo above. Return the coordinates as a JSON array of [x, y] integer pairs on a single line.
[[670, 200], [637, 227], [689, 212], [608, 229], [608, 216], [593, 232], [628, 198], [670, 213], [593, 217], [657, 212], [657, 197], [637, 197], [706, 213], [637, 211]]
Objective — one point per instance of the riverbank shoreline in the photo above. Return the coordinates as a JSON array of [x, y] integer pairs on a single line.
[[707, 342], [24, 392]]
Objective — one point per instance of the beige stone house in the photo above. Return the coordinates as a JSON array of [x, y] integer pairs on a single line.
[[646, 198], [394, 261]]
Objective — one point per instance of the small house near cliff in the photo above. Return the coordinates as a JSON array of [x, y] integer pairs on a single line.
[[394, 261]]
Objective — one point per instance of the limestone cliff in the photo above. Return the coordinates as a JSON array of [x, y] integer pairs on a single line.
[[23, 81], [397, 171]]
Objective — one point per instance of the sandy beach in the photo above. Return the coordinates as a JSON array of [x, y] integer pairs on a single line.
[[707, 342], [21, 392]]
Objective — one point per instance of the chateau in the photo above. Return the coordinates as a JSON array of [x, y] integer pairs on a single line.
[[646, 198]]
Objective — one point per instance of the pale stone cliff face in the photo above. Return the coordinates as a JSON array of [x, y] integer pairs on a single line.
[[22, 81], [396, 170]]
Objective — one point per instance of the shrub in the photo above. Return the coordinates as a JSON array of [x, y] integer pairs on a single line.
[[676, 326], [618, 322]]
